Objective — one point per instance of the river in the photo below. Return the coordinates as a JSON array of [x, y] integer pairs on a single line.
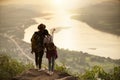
[[76, 35]]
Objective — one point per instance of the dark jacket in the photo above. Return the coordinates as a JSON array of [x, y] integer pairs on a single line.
[[51, 51], [37, 41]]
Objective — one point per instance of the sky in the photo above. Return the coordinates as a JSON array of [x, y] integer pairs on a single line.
[[67, 4]]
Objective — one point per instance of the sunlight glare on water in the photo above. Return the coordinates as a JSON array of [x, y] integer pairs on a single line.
[[77, 35]]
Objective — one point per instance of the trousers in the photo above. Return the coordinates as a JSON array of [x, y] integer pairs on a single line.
[[51, 63], [38, 58]]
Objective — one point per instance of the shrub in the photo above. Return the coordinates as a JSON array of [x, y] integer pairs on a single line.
[[10, 67], [98, 72], [61, 68]]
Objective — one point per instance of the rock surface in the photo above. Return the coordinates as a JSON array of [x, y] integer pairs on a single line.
[[34, 74]]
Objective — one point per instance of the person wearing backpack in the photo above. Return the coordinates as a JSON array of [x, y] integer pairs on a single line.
[[51, 52], [37, 45]]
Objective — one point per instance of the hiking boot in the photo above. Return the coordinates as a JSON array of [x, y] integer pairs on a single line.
[[50, 73], [42, 69]]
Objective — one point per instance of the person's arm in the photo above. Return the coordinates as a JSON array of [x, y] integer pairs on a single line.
[[32, 42], [33, 36]]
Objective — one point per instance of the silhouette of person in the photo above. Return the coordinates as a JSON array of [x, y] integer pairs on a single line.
[[37, 45], [51, 52]]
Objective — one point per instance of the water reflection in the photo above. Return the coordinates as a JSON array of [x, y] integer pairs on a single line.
[[76, 35]]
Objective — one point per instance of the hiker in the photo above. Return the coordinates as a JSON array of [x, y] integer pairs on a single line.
[[51, 52], [37, 45]]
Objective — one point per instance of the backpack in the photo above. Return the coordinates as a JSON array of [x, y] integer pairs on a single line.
[[48, 39], [37, 42], [48, 42]]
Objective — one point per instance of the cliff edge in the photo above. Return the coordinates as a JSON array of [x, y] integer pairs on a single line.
[[34, 74]]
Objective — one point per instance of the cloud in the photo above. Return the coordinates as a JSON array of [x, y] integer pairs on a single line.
[[25, 1], [6, 1], [3, 1]]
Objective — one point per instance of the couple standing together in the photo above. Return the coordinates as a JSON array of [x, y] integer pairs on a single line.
[[41, 42]]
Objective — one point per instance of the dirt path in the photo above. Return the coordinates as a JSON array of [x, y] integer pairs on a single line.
[[34, 74], [17, 45]]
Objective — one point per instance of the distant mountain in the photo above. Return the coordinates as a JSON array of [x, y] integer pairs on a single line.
[[103, 16], [14, 19]]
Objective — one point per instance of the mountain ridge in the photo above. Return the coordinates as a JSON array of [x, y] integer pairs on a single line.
[[105, 16]]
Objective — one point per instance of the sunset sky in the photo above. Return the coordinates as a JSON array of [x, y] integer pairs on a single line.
[[67, 4]]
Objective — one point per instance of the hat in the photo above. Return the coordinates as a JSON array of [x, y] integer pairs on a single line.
[[41, 26]]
